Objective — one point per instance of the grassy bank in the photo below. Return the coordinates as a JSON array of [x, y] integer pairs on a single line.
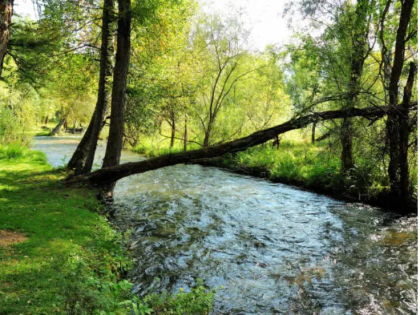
[[58, 255], [316, 168], [68, 259]]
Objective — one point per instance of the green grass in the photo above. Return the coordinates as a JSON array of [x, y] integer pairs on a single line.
[[312, 166], [72, 261]]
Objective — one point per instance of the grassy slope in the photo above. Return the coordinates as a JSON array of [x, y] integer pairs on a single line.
[[72, 260], [71, 252]]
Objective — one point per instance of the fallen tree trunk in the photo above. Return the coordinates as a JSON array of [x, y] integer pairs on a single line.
[[114, 173]]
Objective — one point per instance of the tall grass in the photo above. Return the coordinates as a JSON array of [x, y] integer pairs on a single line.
[[17, 152], [312, 166]]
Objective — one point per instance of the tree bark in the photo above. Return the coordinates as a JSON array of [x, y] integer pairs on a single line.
[[6, 12], [83, 157], [185, 133], [392, 123], [122, 60], [58, 127], [114, 173], [173, 129], [346, 145], [207, 133], [404, 136], [313, 133]]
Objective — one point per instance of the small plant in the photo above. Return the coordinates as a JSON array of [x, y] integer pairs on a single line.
[[198, 301]]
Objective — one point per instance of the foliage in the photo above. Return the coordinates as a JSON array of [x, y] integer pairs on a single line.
[[198, 301]]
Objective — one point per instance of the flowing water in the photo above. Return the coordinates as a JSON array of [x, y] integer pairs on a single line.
[[268, 248]]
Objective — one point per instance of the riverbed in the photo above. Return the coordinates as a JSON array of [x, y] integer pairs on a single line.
[[267, 248]]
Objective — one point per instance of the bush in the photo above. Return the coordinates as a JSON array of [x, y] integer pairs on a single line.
[[12, 128]]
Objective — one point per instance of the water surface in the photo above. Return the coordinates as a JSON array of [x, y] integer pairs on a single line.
[[275, 249]]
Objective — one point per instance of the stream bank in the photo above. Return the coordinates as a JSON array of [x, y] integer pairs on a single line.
[[274, 248], [68, 259], [58, 252], [380, 199]]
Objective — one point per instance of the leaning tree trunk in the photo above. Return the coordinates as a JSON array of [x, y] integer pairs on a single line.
[[392, 123], [404, 136], [113, 173], [122, 60], [6, 12], [83, 157], [58, 127]]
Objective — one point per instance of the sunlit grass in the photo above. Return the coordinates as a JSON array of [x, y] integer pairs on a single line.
[[69, 259], [59, 223]]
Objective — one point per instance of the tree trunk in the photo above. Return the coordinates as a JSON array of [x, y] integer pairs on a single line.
[[185, 133], [207, 134], [404, 137], [114, 173], [83, 157], [358, 55], [46, 120], [347, 145], [206, 139], [392, 123], [58, 127], [313, 133], [6, 12], [173, 129], [122, 60]]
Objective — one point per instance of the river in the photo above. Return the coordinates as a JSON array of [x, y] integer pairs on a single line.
[[268, 248]]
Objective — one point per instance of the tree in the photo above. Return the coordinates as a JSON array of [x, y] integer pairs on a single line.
[[359, 49], [397, 146], [83, 157], [222, 51], [6, 12], [122, 61]]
